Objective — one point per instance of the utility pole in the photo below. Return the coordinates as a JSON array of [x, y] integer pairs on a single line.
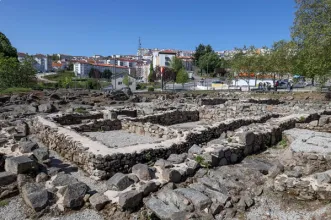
[[115, 72]]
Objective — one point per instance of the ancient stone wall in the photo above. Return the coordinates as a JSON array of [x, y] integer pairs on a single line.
[[265, 101], [213, 101], [170, 117], [99, 125], [72, 119], [126, 112], [149, 129]]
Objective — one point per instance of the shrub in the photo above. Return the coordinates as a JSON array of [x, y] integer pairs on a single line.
[[150, 89], [93, 84]]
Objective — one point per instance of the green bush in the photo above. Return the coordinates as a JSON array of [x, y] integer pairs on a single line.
[[14, 90], [93, 84], [150, 89], [141, 86]]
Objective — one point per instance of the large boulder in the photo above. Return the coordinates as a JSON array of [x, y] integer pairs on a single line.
[[41, 154], [177, 199], [246, 138], [74, 195], [63, 179], [162, 210], [147, 188], [35, 196], [130, 200], [7, 178], [172, 175], [199, 200], [119, 182], [98, 201], [177, 158], [46, 108], [27, 146], [142, 171], [21, 164]]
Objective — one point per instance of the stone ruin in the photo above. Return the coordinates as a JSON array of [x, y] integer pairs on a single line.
[[165, 158]]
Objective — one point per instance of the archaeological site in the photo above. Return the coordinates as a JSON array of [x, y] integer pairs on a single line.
[[75, 154]]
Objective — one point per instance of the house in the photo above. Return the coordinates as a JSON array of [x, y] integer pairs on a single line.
[[59, 65], [163, 58], [187, 63], [118, 84], [43, 63]]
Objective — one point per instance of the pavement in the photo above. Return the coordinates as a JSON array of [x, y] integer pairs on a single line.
[[40, 76]]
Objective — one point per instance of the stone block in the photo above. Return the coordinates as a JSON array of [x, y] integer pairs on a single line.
[[73, 196], [21, 164], [98, 201], [172, 175], [27, 146], [246, 138], [130, 200], [172, 197], [35, 196], [7, 178], [162, 210], [142, 171], [119, 182], [199, 200], [41, 154]]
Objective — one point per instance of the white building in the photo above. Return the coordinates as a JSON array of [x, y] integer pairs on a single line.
[[43, 63], [117, 82], [82, 68], [21, 56], [163, 58]]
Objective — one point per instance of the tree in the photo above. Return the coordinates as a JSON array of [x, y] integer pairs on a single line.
[[94, 73], [55, 57], [182, 77], [209, 62], [126, 80], [167, 76], [200, 51], [6, 49], [70, 67], [107, 74], [176, 64], [311, 34], [151, 69]]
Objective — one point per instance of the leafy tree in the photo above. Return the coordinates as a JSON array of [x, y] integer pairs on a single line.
[[209, 62], [126, 80], [168, 74], [182, 77], [70, 67], [94, 73], [107, 74], [6, 49], [93, 84], [151, 69], [176, 64], [311, 33], [200, 51], [55, 57]]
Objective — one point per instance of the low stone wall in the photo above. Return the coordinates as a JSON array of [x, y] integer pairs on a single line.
[[149, 129], [126, 112], [214, 101], [170, 117], [99, 125], [265, 101], [76, 118]]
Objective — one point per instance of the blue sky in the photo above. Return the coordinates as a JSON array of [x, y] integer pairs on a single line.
[[81, 27]]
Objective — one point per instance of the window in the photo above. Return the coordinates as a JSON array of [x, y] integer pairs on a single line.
[[119, 83]]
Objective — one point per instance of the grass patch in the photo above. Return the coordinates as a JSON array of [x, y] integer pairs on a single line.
[[302, 119], [60, 75], [281, 144], [81, 110], [200, 160], [4, 203], [15, 90]]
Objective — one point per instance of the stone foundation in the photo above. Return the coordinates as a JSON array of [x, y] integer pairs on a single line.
[[99, 125]]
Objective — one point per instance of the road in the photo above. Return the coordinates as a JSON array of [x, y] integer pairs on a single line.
[[41, 75]]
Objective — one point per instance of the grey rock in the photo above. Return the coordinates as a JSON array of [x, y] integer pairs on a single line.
[[199, 200], [322, 178], [98, 201], [27, 146], [173, 197], [35, 196], [172, 175], [46, 108], [7, 178], [162, 210], [163, 163], [63, 179], [195, 149], [41, 154], [142, 172], [177, 158], [192, 164], [246, 138], [130, 200], [149, 187], [275, 170], [133, 178], [22, 179], [324, 119], [74, 195], [218, 196], [119, 182], [21, 164], [210, 159], [42, 177]]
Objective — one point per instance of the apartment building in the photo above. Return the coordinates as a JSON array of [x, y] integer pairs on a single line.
[[163, 58], [82, 68], [43, 63]]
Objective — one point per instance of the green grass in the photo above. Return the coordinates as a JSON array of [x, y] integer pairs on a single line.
[[4, 203], [60, 75], [15, 90], [81, 110]]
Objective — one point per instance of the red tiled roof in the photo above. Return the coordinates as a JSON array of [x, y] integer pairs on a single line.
[[168, 51], [21, 54], [54, 64]]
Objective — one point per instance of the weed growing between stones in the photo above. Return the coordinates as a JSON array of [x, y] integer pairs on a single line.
[[3, 203], [81, 110]]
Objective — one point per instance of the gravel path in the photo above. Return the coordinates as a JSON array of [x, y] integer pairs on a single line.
[[12, 211], [121, 138]]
